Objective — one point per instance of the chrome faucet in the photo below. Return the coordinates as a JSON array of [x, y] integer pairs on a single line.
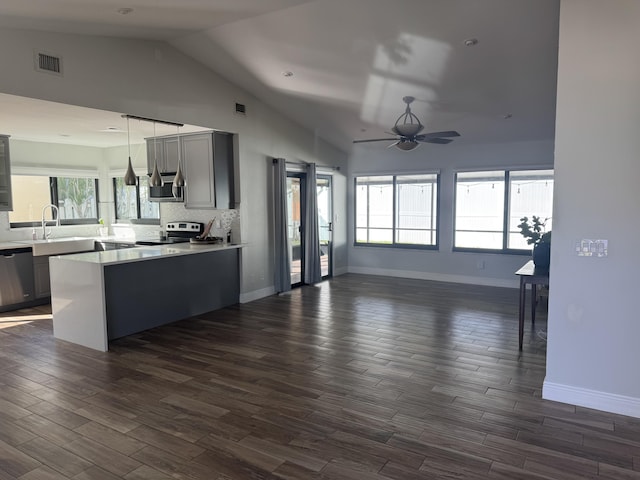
[[46, 234]]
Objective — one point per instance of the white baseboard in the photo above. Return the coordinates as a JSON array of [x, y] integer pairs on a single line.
[[607, 402], [441, 277], [340, 271], [257, 294]]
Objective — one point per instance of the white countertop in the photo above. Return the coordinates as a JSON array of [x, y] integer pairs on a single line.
[[141, 253]]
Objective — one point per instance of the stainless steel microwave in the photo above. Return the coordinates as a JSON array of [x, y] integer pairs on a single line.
[[166, 193]]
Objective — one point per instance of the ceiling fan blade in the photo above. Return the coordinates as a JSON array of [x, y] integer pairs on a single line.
[[375, 140], [394, 144], [440, 141], [450, 133]]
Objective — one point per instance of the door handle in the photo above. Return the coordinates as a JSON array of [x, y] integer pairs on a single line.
[[330, 226]]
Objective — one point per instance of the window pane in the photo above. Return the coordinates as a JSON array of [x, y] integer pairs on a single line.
[[479, 209], [148, 209], [125, 198], [377, 235], [361, 235], [417, 237], [374, 209], [77, 198], [416, 209], [30, 194], [530, 193], [415, 217]]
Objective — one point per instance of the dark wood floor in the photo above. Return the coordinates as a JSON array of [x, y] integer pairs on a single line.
[[360, 378]]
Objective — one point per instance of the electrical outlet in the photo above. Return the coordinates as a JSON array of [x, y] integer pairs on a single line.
[[592, 248]]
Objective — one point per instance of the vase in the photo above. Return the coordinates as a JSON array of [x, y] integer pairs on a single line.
[[542, 255]]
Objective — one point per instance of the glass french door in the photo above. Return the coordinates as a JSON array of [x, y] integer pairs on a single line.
[[295, 211], [325, 223], [296, 187]]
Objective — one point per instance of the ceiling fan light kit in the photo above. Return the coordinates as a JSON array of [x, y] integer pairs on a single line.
[[407, 124], [408, 128], [407, 145]]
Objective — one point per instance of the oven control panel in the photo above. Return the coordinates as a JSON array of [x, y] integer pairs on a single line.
[[193, 227]]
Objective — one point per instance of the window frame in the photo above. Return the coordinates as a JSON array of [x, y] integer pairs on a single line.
[[505, 212], [134, 221], [53, 197], [395, 213]]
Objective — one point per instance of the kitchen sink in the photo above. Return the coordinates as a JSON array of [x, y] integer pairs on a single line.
[[59, 246]]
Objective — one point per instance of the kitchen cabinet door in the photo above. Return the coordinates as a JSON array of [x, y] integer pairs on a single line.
[[41, 276], [155, 148], [197, 157], [223, 170], [165, 151], [6, 202], [170, 148]]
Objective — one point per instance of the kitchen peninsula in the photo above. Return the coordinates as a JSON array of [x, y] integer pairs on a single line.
[[101, 296]]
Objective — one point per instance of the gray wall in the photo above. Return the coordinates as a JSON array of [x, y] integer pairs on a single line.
[[593, 334], [443, 264], [152, 79]]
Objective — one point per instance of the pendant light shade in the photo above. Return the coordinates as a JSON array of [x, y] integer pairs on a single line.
[[129, 176], [178, 180], [156, 179]]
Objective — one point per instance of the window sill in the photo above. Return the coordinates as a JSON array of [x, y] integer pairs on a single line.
[[398, 246]]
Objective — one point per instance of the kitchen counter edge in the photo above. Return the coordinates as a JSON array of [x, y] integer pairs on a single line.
[[144, 253]]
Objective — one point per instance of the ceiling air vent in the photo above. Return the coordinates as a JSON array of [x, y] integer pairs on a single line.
[[240, 108], [48, 63]]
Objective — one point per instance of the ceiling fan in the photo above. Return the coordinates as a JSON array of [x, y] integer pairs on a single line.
[[407, 130]]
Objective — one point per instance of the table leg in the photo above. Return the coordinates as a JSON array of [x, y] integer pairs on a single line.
[[534, 302], [521, 312]]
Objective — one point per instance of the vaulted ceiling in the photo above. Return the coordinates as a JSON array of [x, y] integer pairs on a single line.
[[341, 67]]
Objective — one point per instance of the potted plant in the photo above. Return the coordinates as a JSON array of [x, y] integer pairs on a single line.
[[102, 229], [534, 232]]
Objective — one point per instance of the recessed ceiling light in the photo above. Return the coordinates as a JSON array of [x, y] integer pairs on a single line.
[[471, 42], [112, 130], [124, 11], [287, 73]]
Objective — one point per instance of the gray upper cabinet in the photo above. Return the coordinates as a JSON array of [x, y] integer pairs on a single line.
[[6, 202], [164, 150], [198, 171], [207, 164], [223, 170]]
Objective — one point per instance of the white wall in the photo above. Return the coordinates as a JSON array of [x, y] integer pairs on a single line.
[[442, 264], [152, 79], [593, 353]]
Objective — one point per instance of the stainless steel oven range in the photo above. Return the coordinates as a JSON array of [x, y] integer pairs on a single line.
[[177, 232]]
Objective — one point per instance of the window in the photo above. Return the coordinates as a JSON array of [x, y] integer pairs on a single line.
[[75, 197], [132, 202], [397, 210], [489, 206]]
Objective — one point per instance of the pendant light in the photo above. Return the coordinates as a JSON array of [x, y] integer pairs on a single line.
[[129, 176], [178, 180], [156, 179]]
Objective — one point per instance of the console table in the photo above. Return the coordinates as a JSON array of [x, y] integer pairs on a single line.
[[533, 276]]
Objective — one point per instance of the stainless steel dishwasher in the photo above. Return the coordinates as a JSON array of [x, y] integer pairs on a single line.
[[16, 277]]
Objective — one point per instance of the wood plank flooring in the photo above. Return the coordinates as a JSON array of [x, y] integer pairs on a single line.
[[361, 377]]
